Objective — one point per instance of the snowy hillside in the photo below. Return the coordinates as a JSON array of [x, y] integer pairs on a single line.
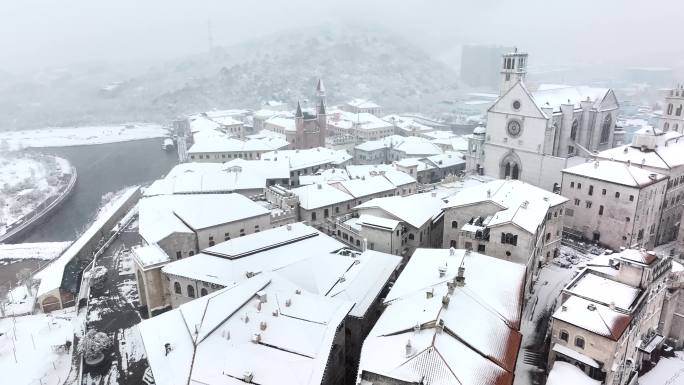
[[355, 63]]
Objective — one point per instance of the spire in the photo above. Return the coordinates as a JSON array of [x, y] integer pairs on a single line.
[[299, 113], [321, 108], [320, 88]]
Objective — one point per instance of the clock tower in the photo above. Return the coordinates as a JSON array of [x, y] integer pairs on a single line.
[[513, 69]]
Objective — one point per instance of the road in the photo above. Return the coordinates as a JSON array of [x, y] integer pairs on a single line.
[[113, 309]]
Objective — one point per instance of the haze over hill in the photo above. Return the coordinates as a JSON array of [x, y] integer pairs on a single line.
[[282, 67]]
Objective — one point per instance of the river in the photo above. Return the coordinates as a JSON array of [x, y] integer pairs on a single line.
[[101, 168]]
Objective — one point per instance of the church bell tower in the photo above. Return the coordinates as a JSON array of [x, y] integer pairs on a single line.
[[513, 69]]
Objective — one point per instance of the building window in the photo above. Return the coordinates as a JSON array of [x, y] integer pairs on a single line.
[[203, 292], [579, 186], [631, 198], [325, 213], [452, 243], [191, 252], [571, 150], [191, 291], [626, 219], [211, 241], [601, 210], [177, 288], [179, 255], [603, 192], [548, 236], [588, 204], [573, 129], [480, 248], [572, 184], [591, 190], [563, 335], [509, 239], [605, 129], [411, 236], [454, 224], [577, 202], [313, 216], [570, 212], [669, 109], [371, 246], [679, 111], [640, 235], [337, 209], [579, 342], [468, 245]]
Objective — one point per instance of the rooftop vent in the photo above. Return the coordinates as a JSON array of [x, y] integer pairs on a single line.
[[288, 302], [612, 305], [246, 318], [459, 280], [409, 348], [319, 186], [417, 327], [430, 293], [489, 193], [226, 334], [262, 296], [248, 377], [524, 204], [275, 313], [442, 271], [591, 307], [298, 291], [256, 338], [434, 194], [452, 251], [289, 226], [445, 300], [262, 325], [564, 308], [167, 349], [596, 164]]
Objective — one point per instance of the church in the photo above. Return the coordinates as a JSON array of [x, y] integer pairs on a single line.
[[532, 136]]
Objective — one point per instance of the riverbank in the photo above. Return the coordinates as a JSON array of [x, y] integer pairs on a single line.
[[32, 185]]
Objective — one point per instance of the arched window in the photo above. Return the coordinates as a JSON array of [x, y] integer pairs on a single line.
[[203, 292], [573, 129], [411, 236], [605, 129], [191, 291], [176, 288], [579, 342], [516, 172], [669, 109], [507, 171]]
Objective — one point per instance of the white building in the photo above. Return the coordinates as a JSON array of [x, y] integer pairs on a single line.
[[394, 148], [532, 136], [395, 225], [452, 317], [663, 153], [405, 126], [362, 126], [612, 203], [673, 116], [506, 219], [222, 149], [309, 161], [358, 106]]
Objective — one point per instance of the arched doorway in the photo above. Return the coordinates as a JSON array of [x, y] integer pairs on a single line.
[[510, 166]]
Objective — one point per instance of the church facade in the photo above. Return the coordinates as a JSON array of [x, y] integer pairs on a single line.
[[532, 136], [310, 129]]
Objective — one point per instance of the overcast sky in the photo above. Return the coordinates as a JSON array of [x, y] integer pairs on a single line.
[[36, 34]]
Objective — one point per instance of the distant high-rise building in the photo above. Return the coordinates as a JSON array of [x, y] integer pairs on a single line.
[[480, 64]]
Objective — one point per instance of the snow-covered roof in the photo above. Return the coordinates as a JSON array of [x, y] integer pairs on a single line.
[[225, 144], [616, 172], [594, 317], [416, 209], [51, 276], [286, 122], [604, 291], [359, 188], [396, 177], [226, 121], [163, 215], [522, 204], [555, 95], [423, 336], [448, 159], [410, 145], [201, 123], [668, 152], [362, 103], [357, 121], [319, 195], [375, 221], [386, 142], [408, 124], [235, 175], [564, 373], [329, 175], [261, 331], [312, 157], [149, 255]]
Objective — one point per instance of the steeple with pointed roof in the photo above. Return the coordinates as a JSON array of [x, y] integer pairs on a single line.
[[299, 113]]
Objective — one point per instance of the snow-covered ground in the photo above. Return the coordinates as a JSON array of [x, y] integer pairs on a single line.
[[29, 348], [79, 136], [668, 371], [42, 250], [26, 181]]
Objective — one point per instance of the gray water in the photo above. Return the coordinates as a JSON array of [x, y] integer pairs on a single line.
[[101, 168]]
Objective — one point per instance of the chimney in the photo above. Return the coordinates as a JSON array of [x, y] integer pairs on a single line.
[[442, 271], [256, 338], [612, 305], [298, 291], [289, 226], [288, 302], [409, 348], [262, 296], [564, 308], [246, 318], [167, 348], [460, 277], [524, 204], [430, 293], [591, 307], [489, 193], [262, 325], [445, 301], [275, 313], [248, 377], [319, 186], [434, 194], [416, 327]]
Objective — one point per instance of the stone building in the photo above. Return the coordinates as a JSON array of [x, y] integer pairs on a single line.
[[610, 321], [532, 136], [506, 219], [614, 204], [660, 152]]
